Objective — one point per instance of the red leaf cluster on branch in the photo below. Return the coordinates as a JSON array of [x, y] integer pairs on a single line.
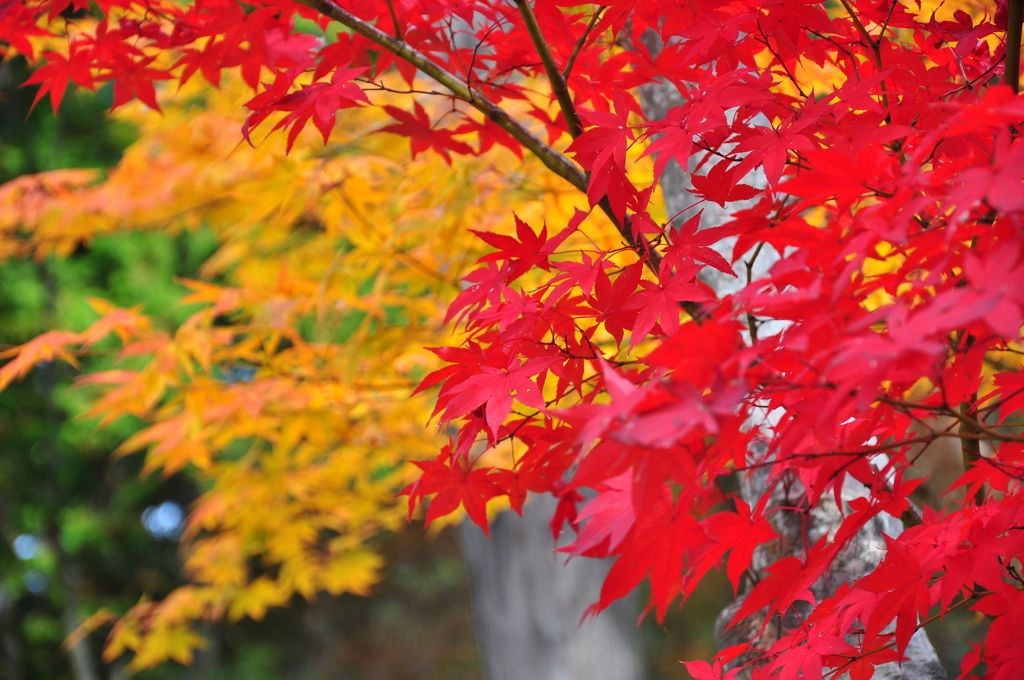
[[891, 192]]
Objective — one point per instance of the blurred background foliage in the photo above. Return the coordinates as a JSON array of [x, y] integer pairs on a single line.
[[83, 532]]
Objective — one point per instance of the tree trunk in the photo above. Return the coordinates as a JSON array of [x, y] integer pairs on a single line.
[[859, 559], [527, 605], [83, 662], [9, 640]]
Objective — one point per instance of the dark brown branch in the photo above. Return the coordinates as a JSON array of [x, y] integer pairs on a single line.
[[555, 161], [394, 20], [971, 428], [558, 84], [971, 447], [875, 45], [857, 23], [581, 42], [1013, 36]]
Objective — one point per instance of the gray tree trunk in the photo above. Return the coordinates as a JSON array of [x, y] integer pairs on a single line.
[[863, 554], [527, 604]]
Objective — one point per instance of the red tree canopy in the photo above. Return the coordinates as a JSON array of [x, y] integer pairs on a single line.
[[872, 147]]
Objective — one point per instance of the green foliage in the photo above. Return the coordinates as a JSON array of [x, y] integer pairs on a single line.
[[58, 483], [80, 137]]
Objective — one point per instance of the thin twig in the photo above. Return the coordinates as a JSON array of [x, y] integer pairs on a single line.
[[876, 47], [892, 643], [751, 319], [973, 428], [1011, 76], [558, 85], [582, 41], [856, 22], [394, 20], [555, 161], [885, 24], [778, 58], [552, 159]]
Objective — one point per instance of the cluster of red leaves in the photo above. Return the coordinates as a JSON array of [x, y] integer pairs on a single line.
[[910, 157]]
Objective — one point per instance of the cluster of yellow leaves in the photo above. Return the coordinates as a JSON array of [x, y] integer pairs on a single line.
[[288, 392]]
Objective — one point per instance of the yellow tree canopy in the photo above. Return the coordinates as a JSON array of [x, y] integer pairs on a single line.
[[289, 391]]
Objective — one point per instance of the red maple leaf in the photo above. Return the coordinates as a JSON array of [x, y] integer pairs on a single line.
[[209, 61], [422, 134], [54, 76], [531, 250], [736, 532], [321, 102], [691, 243], [656, 546], [605, 520], [770, 147], [455, 485], [789, 580], [495, 388], [721, 185], [660, 303], [133, 79], [805, 660], [902, 584], [702, 670], [601, 150], [610, 299]]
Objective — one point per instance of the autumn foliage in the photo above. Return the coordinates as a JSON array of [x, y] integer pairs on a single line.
[[286, 392], [872, 148]]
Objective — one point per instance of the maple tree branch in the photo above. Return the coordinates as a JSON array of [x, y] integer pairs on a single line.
[[892, 643], [555, 161], [582, 41], [821, 36], [971, 447], [373, 86], [558, 84], [778, 58], [1011, 75], [972, 428], [928, 439], [885, 25], [715, 152], [876, 45], [751, 319], [860, 27], [394, 20]]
